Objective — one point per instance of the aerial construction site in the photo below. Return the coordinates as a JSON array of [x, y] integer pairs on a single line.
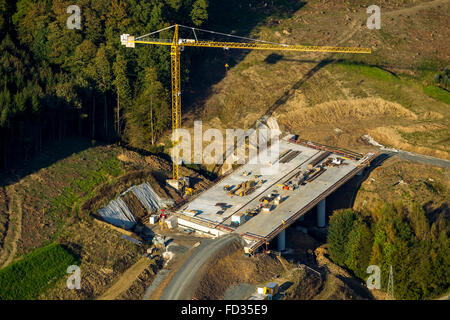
[[224, 150], [260, 206]]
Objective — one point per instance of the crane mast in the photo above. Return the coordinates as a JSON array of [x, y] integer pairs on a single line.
[[176, 44], [175, 52]]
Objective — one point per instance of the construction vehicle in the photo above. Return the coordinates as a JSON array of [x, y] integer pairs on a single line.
[[271, 288], [289, 186], [254, 212], [188, 191], [178, 44], [238, 219], [270, 198], [228, 188]]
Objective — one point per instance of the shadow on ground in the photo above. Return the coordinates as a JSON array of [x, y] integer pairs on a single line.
[[236, 17]]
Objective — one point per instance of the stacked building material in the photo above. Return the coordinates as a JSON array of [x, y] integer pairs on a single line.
[[318, 159]]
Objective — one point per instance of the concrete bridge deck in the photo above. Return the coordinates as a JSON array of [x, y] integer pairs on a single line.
[[295, 203]]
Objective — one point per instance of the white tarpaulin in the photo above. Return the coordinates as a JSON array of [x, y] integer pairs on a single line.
[[118, 214], [148, 197]]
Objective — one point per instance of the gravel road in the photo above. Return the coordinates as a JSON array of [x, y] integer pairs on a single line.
[[183, 282]]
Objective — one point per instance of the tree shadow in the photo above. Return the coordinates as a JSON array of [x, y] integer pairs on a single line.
[[433, 213], [51, 153], [236, 17], [289, 93], [73, 249], [355, 285], [345, 196]]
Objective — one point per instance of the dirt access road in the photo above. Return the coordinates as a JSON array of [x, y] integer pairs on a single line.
[[183, 283], [126, 280]]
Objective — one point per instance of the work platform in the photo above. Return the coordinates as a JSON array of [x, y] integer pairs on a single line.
[[212, 211]]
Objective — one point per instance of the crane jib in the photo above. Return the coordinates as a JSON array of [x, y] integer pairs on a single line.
[[177, 44], [258, 46]]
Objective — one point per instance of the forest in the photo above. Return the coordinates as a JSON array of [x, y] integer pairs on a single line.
[[58, 82], [415, 244]]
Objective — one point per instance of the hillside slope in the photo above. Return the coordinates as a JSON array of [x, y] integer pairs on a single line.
[[335, 99]]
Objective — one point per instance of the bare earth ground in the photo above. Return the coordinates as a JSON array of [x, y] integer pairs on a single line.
[[230, 267], [231, 275], [28, 218], [126, 280], [14, 228], [399, 180], [314, 95]]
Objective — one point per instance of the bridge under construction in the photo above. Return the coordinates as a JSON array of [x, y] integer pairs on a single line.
[[259, 204]]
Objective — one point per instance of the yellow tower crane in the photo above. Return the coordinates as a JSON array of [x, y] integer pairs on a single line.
[[177, 44]]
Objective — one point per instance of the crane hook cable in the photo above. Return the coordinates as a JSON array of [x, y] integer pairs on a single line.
[[228, 35], [148, 34]]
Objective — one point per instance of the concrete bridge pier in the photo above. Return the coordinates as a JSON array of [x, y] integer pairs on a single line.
[[321, 217], [281, 240]]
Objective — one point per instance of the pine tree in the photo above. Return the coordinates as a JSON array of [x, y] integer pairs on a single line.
[[341, 224], [122, 89]]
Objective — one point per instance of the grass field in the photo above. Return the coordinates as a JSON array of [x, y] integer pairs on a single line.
[[53, 194], [35, 272], [437, 93], [373, 72]]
